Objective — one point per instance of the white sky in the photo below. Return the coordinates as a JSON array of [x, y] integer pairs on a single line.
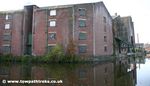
[[138, 9]]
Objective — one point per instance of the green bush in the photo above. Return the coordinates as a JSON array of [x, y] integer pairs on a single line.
[[55, 55], [7, 57], [26, 58]]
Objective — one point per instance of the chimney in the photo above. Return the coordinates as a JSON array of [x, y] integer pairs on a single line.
[[115, 14]]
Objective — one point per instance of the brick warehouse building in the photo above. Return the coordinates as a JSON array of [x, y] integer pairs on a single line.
[[34, 30]]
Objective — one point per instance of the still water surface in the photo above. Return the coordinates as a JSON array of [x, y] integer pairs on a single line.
[[116, 73], [143, 73]]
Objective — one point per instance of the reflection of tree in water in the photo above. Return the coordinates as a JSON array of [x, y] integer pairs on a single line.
[[69, 73], [26, 71]]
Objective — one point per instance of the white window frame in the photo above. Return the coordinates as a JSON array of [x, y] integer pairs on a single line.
[[7, 26], [7, 17], [52, 23], [52, 13]]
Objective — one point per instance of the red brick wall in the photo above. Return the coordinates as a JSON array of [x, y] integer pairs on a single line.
[[63, 27], [3, 21], [41, 28], [104, 74], [67, 26], [100, 12], [1, 30], [16, 42], [88, 29], [39, 32]]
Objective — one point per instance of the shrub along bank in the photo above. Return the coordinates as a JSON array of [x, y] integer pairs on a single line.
[[56, 54]]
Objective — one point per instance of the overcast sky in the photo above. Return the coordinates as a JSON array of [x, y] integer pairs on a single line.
[[138, 9]]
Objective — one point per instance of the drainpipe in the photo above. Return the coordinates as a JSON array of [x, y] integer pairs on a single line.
[[46, 31], [73, 21], [23, 32], [33, 31], [94, 30]]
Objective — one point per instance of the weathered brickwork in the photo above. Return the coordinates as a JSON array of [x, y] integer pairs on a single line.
[[11, 36], [16, 39], [35, 29]]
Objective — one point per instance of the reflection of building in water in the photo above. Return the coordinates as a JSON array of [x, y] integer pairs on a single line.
[[125, 73], [101, 74], [139, 49], [10, 72], [140, 60], [104, 74]]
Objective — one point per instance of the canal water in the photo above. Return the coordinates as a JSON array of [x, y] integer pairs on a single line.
[[129, 71], [143, 73]]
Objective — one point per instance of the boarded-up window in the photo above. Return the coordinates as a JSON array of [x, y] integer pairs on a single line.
[[105, 30], [82, 11], [82, 73], [105, 38], [82, 23], [82, 36], [50, 47], [104, 19], [105, 48], [7, 36], [82, 48], [6, 49], [30, 39]]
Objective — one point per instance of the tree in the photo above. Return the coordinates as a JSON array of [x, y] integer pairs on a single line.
[[71, 48], [56, 54]]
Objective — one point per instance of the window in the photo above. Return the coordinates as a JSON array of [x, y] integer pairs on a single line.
[[82, 48], [50, 47], [52, 36], [105, 81], [82, 73], [105, 48], [105, 30], [6, 49], [82, 11], [106, 70], [52, 12], [105, 38], [82, 23], [104, 19], [7, 26], [30, 39], [82, 36], [7, 37], [52, 23], [8, 16]]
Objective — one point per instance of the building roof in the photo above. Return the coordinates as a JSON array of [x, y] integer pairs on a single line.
[[10, 11], [58, 6]]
